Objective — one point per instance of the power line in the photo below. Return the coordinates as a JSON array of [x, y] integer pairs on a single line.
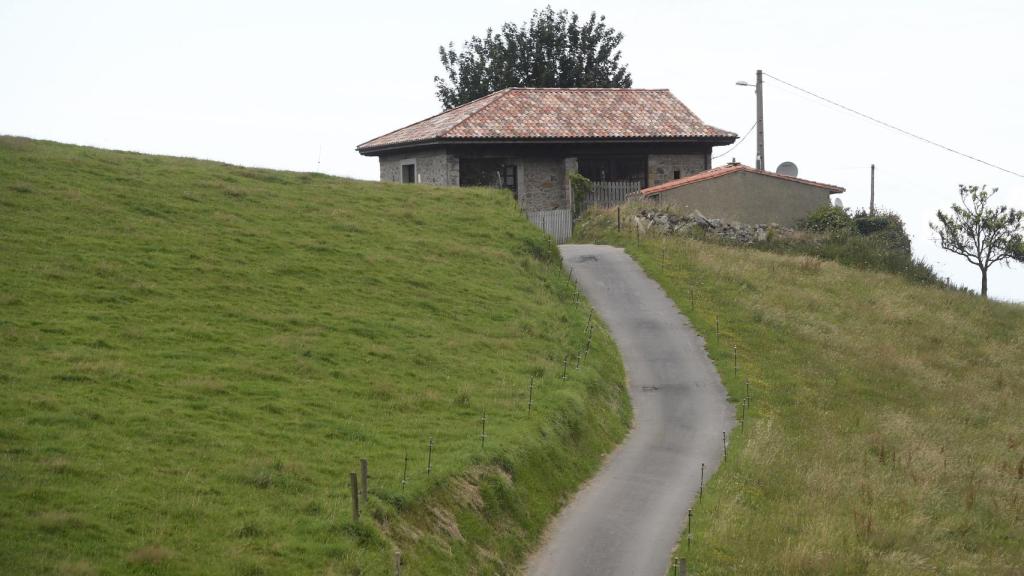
[[736, 144], [896, 128]]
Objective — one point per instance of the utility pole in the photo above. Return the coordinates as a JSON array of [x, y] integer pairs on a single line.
[[872, 190], [759, 89]]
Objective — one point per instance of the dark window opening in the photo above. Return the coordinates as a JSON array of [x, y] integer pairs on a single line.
[[408, 173], [675, 175], [509, 181], [633, 169], [488, 173]]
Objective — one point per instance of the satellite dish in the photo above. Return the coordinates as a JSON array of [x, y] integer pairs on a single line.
[[787, 169], [838, 202]]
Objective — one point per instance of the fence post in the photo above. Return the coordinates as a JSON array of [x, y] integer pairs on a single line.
[[363, 473], [430, 453], [354, 482], [700, 493], [405, 470], [735, 361], [483, 430], [398, 563]]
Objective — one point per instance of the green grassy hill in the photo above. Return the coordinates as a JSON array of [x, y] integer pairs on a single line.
[[194, 356], [885, 429]]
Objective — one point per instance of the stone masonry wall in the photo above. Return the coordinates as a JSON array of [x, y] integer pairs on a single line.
[[661, 167], [432, 167], [541, 184]]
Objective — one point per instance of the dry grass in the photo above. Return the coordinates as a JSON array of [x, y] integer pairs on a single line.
[[150, 555], [76, 568], [885, 433]]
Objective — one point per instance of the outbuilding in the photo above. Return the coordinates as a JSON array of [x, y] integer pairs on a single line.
[[738, 193]]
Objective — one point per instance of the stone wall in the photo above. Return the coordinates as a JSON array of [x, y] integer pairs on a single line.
[[662, 167], [432, 167], [541, 184]]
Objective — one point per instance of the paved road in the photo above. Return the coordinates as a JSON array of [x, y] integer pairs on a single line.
[[627, 519]]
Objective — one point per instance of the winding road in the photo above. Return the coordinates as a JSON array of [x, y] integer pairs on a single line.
[[627, 519]]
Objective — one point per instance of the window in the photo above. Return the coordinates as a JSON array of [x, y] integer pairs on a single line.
[[408, 173], [675, 174], [509, 181], [614, 169]]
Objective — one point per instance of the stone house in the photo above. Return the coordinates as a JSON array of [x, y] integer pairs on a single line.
[[738, 193], [528, 140]]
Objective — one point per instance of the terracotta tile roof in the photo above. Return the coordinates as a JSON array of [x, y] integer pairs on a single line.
[[730, 169], [560, 114]]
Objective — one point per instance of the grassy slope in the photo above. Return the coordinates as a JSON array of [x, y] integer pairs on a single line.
[[193, 357], [885, 432]]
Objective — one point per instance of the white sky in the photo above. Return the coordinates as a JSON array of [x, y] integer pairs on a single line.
[[277, 85]]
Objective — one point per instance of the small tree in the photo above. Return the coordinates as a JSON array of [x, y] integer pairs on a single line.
[[983, 235], [553, 50]]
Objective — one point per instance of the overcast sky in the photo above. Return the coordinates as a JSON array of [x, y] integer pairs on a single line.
[[284, 85]]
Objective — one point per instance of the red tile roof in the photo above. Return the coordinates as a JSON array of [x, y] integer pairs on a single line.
[[730, 169], [560, 114]]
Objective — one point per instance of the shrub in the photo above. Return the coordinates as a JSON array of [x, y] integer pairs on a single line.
[[828, 218], [581, 187], [887, 227]]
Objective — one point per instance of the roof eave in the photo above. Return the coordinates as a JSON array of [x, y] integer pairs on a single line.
[[380, 149]]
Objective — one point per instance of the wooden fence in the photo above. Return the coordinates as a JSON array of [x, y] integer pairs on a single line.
[[557, 223], [605, 194]]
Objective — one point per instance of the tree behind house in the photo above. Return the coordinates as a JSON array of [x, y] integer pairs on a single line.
[[983, 235], [554, 49]]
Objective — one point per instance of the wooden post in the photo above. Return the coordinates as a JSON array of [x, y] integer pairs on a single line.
[[700, 493], [483, 430], [565, 365], [618, 218], [430, 453], [718, 334], [689, 527], [364, 475], [398, 563], [355, 495], [735, 361], [405, 470], [529, 403]]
